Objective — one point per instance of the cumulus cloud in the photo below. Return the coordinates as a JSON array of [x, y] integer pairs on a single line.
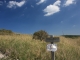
[[14, 4], [69, 2], [51, 9], [40, 2]]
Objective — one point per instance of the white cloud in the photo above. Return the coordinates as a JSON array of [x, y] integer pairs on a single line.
[[14, 4], [69, 2], [74, 25], [41, 1], [61, 21], [51, 9], [5, 1], [1, 2], [32, 6]]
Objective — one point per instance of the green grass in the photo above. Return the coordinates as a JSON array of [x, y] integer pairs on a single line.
[[23, 47]]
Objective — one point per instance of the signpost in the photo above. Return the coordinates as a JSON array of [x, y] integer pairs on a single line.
[[52, 47]]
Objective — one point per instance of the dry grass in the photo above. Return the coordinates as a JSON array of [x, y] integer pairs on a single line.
[[23, 47], [68, 49]]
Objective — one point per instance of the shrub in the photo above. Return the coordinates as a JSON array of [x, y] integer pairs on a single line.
[[41, 35], [5, 32]]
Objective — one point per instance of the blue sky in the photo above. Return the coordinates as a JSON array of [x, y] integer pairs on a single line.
[[57, 17]]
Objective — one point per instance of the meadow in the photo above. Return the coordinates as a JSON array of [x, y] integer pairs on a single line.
[[23, 47]]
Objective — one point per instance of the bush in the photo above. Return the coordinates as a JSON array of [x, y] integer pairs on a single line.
[[71, 36], [41, 35], [5, 32]]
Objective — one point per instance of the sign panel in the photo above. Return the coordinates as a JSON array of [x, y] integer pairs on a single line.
[[52, 47], [53, 39]]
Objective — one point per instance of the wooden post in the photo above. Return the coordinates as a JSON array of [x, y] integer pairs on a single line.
[[52, 40], [52, 54]]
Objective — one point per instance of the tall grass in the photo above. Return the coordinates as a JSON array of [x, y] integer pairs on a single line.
[[23, 47]]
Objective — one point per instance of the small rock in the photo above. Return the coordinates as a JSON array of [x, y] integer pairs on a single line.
[[1, 56]]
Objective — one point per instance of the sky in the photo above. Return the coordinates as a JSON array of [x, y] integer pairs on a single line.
[[56, 17]]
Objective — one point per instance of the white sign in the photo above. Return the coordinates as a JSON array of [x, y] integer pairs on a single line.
[[52, 47]]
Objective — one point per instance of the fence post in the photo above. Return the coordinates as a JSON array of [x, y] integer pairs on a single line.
[[51, 47], [52, 54]]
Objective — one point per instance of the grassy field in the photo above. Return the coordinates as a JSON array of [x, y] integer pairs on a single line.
[[23, 47]]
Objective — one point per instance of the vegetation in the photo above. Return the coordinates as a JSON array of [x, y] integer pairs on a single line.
[[5, 32], [23, 47], [71, 36], [42, 35]]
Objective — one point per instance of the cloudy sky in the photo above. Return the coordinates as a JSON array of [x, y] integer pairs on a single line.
[[57, 17]]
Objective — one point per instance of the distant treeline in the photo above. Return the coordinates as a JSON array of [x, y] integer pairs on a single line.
[[71, 36], [5, 32]]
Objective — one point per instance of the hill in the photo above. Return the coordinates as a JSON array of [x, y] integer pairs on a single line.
[[5, 32], [23, 47]]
